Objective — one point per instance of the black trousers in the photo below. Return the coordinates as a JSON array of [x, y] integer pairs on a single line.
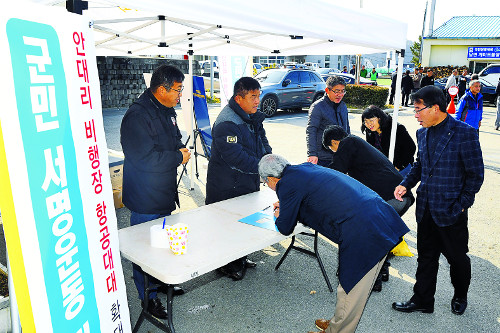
[[452, 242]]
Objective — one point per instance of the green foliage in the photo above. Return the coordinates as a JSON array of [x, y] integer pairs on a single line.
[[212, 100], [363, 96], [415, 51]]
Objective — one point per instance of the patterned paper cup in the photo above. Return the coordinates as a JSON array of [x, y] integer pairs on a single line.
[[178, 238]]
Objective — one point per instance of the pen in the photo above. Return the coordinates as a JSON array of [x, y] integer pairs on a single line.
[[267, 207]]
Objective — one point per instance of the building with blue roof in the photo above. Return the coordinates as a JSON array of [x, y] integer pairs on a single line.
[[473, 41]]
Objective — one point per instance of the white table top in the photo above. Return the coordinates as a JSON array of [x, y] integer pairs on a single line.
[[215, 238]]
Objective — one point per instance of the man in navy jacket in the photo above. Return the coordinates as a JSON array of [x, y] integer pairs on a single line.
[[153, 150], [345, 211], [239, 141], [329, 110], [450, 170]]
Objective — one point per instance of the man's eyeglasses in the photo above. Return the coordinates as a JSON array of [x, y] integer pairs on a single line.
[[179, 91], [338, 91], [422, 109]]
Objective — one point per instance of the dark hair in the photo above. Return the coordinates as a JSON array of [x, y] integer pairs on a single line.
[[429, 96], [333, 132], [244, 85], [334, 80], [375, 111], [474, 77], [166, 75]]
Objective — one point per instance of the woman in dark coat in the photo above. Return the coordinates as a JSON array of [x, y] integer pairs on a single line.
[[378, 127]]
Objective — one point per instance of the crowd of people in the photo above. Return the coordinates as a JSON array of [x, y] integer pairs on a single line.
[[342, 173]]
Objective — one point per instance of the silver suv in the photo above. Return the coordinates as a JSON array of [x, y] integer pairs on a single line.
[[491, 74], [289, 89]]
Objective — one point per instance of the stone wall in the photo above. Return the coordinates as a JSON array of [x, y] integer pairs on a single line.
[[122, 81]]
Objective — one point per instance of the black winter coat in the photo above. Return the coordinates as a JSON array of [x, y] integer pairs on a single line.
[[239, 142], [151, 141], [405, 147], [407, 84], [366, 164]]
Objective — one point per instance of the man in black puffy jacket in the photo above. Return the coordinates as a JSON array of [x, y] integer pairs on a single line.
[[239, 141], [153, 150]]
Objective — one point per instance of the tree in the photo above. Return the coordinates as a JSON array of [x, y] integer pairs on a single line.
[[415, 51]]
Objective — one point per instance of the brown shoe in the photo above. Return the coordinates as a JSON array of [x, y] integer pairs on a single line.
[[322, 324]]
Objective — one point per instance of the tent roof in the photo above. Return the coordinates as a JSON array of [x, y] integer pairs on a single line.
[[232, 27]]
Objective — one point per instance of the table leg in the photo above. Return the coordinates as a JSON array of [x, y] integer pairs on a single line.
[[321, 263], [314, 254], [286, 253], [170, 298], [153, 320]]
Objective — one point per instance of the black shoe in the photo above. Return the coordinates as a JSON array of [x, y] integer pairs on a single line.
[[496, 127], [163, 288], [384, 272], [250, 264], [409, 306], [378, 284], [235, 275], [458, 305], [156, 309]]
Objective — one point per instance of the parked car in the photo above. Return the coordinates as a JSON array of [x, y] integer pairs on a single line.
[[327, 70], [289, 89], [257, 68], [490, 74], [311, 65], [350, 79], [487, 90]]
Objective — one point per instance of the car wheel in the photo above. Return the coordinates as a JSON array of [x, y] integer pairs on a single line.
[[269, 106]]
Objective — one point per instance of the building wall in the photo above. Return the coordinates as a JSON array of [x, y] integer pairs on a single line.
[[122, 81], [444, 52]]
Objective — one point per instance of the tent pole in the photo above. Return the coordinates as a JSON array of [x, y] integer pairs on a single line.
[[14, 311], [191, 109], [397, 102], [358, 67], [212, 77]]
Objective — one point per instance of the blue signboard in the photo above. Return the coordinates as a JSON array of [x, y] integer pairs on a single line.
[[483, 52]]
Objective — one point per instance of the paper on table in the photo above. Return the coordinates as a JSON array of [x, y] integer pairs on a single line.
[[263, 219]]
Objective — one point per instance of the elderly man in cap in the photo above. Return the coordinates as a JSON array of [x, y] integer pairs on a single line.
[[345, 211]]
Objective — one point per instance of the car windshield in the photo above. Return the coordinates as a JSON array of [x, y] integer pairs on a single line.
[[270, 76]]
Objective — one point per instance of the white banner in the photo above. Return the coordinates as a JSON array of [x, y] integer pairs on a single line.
[[58, 214]]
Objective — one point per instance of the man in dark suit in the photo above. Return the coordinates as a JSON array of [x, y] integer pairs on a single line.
[[450, 169]]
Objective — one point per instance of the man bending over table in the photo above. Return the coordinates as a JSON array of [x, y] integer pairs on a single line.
[[348, 213]]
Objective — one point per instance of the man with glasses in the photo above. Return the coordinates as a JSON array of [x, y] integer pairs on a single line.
[[427, 80], [329, 110], [450, 170], [153, 150], [239, 141]]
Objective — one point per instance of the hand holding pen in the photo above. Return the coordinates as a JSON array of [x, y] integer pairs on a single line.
[[276, 209]]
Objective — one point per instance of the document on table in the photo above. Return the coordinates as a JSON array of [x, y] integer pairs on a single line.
[[263, 219]]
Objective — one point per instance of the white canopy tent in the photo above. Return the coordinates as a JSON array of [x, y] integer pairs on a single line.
[[231, 27]]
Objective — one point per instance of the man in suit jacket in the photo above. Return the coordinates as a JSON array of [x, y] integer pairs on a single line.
[[450, 169]]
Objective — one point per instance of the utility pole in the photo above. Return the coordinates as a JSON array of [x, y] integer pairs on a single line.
[[423, 33], [431, 18]]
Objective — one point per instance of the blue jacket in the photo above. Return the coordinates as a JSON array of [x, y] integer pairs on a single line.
[[239, 142], [450, 183], [470, 109], [342, 209], [321, 115], [150, 141]]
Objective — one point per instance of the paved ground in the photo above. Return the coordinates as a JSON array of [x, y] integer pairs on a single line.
[[290, 299]]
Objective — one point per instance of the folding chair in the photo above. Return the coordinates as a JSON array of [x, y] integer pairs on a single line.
[[184, 166], [203, 130]]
